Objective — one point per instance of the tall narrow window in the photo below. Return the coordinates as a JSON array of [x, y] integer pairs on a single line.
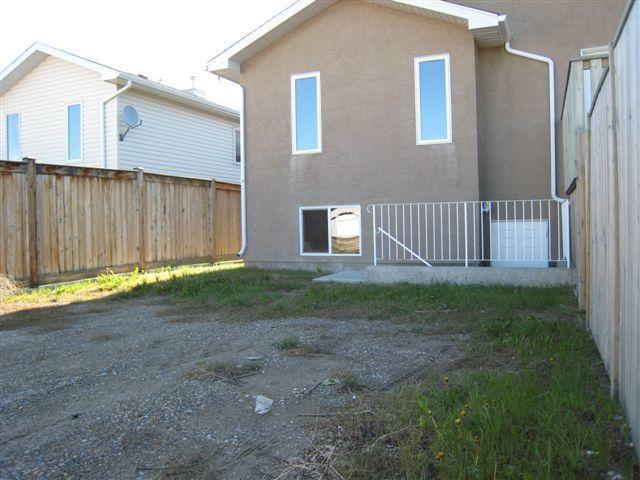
[[433, 99], [236, 138], [306, 124], [13, 136], [74, 132]]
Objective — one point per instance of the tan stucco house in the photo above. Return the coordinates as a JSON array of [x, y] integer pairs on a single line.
[[418, 131]]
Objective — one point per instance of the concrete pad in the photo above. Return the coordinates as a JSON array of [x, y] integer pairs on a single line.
[[345, 276], [520, 277]]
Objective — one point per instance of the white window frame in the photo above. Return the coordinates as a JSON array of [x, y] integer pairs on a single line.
[[416, 77], [237, 141], [327, 208], [66, 132], [6, 133], [299, 76]]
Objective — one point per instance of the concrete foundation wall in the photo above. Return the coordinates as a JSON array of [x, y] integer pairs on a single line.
[[518, 277]]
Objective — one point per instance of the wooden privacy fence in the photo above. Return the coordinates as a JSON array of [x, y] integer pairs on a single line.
[[606, 206], [60, 222]]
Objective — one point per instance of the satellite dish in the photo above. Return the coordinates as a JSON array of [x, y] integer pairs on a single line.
[[131, 118]]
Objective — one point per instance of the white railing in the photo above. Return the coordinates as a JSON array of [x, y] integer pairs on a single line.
[[508, 233]]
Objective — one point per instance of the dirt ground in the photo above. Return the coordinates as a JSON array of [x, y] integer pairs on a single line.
[[104, 391]]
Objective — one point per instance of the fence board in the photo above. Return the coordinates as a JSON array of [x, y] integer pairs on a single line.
[[89, 220], [626, 66], [608, 216]]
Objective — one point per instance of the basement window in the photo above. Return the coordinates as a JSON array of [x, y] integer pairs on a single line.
[[433, 99], [330, 230], [74, 132], [306, 122], [13, 136]]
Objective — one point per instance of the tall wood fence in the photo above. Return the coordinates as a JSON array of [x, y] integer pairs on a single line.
[[606, 209], [59, 222]]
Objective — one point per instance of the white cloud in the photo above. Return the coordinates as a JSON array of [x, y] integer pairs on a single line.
[[160, 39]]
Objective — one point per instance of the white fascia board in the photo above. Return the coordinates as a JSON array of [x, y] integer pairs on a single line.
[[271, 30], [35, 54], [303, 10], [175, 95]]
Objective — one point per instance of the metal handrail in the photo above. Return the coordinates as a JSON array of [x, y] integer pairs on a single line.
[[404, 246]]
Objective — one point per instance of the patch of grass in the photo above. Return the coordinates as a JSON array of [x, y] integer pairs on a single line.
[[550, 417], [349, 382], [288, 343], [247, 293], [102, 337], [293, 346], [222, 370]]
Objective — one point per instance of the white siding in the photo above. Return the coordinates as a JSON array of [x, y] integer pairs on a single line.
[[42, 97], [177, 140]]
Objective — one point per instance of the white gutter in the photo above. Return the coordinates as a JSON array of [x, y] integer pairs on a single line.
[[103, 122], [243, 189], [552, 112]]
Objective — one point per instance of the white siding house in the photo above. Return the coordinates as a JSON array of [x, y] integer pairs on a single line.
[[181, 133]]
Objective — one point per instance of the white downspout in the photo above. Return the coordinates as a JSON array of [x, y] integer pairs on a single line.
[[552, 112], [103, 123], [243, 190], [552, 142]]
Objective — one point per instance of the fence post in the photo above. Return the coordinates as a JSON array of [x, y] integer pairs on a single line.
[[141, 214], [33, 221], [212, 219]]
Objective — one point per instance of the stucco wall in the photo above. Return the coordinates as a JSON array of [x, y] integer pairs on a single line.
[[513, 130], [365, 57]]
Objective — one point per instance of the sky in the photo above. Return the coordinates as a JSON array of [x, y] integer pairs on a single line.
[[154, 38]]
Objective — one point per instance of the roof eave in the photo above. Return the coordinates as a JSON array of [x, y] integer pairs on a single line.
[[175, 95], [488, 29]]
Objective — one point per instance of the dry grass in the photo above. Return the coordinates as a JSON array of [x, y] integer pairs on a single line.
[[223, 371], [293, 346], [7, 286]]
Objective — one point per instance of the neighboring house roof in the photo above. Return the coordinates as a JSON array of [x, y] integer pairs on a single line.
[[488, 28], [37, 52]]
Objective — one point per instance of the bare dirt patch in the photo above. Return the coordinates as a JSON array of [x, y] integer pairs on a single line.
[[103, 389]]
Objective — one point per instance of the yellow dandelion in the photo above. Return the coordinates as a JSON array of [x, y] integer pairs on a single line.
[[440, 455], [463, 413], [457, 421], [446, 379]]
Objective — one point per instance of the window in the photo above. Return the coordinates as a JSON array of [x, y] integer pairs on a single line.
[[74, 132], [330, 230], [236, 139], [586, 95], [433, 99], [306, 124], [13, 136]]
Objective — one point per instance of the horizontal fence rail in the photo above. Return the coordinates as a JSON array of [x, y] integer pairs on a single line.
[[60, 222], [525, 233]]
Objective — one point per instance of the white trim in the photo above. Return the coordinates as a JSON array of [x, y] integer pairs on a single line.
[[6, 133], [37, 52], [327, 208], [316, 75], [489, 27], [416, 80], [66, 131]]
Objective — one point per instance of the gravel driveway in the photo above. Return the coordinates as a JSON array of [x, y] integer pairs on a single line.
[[105, 393]]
